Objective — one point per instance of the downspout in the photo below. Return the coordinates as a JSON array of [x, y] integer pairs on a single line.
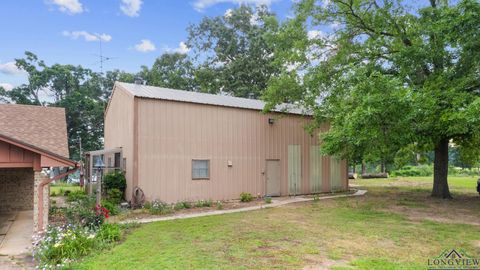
[[40, 194]]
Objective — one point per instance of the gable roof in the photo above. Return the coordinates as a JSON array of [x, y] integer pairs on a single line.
[[153, 92], [42, 127]]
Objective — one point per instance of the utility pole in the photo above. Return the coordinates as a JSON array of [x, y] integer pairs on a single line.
[[82, 180]]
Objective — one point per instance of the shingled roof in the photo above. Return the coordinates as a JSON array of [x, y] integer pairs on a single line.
[[42, 127]]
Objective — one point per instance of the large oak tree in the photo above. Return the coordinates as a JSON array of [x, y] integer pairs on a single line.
[[387, 75], [232, 52]]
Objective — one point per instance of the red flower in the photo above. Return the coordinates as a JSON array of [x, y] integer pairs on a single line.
[[100, 210]]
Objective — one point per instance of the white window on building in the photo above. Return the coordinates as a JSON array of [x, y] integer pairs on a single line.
[[200, 169]]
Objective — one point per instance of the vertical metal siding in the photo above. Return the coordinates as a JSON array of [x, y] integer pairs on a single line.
[[119, 130], [171, 134], [294, 170], [335, 179], [315, 169]]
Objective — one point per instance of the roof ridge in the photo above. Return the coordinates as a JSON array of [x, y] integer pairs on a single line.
[[32, 106], [162, 93]]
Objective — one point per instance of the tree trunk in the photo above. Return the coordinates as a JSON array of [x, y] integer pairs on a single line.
[[363, 168], [440, 171], [354, 168], [382, 167]]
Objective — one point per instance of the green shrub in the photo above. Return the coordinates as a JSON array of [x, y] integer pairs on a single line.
[[112, 207], [53, 194], [147, 205], [61, 246], [268, 199], [53, 210], [115, 180], [85, 213], [160, 208], [115, 195], [204, 203], [456, 171], [421, 170], [219, 205], [76, 196], [246, 197], [182, 205], [109, 232]]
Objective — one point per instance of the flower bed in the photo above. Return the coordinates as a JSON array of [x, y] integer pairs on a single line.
[[77, 231]]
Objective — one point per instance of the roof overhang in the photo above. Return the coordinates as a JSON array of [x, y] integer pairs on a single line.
[[48, 158]]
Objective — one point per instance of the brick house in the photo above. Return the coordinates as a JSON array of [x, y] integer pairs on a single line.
[[32, 139]]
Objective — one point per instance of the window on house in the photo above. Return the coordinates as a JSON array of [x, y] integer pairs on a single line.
[[117, 161], [200, 169]]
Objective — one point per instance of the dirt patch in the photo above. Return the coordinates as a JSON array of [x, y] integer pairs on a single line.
[[461, 210], [322, 263], [476, 244]]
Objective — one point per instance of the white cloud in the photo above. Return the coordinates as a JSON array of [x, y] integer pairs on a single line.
[[131, 8], [145, 46], [228, 13], [315, 34], [182, 48], [9, 68], [335, 25], [68, 6], [6, 86], [201, 5], [87, 36]]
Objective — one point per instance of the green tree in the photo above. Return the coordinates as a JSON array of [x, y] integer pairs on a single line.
[[107, 81], [170, 70], [421, 64], [75, 88], [233, 52]]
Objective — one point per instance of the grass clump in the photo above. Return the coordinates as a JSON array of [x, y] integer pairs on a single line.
[[160, 208], [246, 197], [182, 205], [204, 203]]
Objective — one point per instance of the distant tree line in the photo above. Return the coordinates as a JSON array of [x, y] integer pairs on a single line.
[[229, 54]]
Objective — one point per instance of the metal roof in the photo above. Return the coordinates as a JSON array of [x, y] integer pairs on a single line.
[[154, 92]]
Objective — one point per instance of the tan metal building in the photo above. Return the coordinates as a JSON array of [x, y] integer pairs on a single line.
[[179, 145]]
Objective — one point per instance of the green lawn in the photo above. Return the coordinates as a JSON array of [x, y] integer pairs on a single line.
[[395, 226], [60, 188]]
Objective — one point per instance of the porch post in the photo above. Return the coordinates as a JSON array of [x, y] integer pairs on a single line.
[[39, 177]]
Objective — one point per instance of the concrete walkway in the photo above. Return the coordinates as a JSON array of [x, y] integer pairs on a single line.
[[18, 238], [275, 203]]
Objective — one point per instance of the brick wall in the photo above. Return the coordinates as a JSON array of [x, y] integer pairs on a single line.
[[16, 189]]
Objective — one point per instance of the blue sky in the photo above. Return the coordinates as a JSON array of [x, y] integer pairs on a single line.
[[135, 32]]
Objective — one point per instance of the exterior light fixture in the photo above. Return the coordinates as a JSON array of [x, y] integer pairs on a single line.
[[271, 121], [99, 163]]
